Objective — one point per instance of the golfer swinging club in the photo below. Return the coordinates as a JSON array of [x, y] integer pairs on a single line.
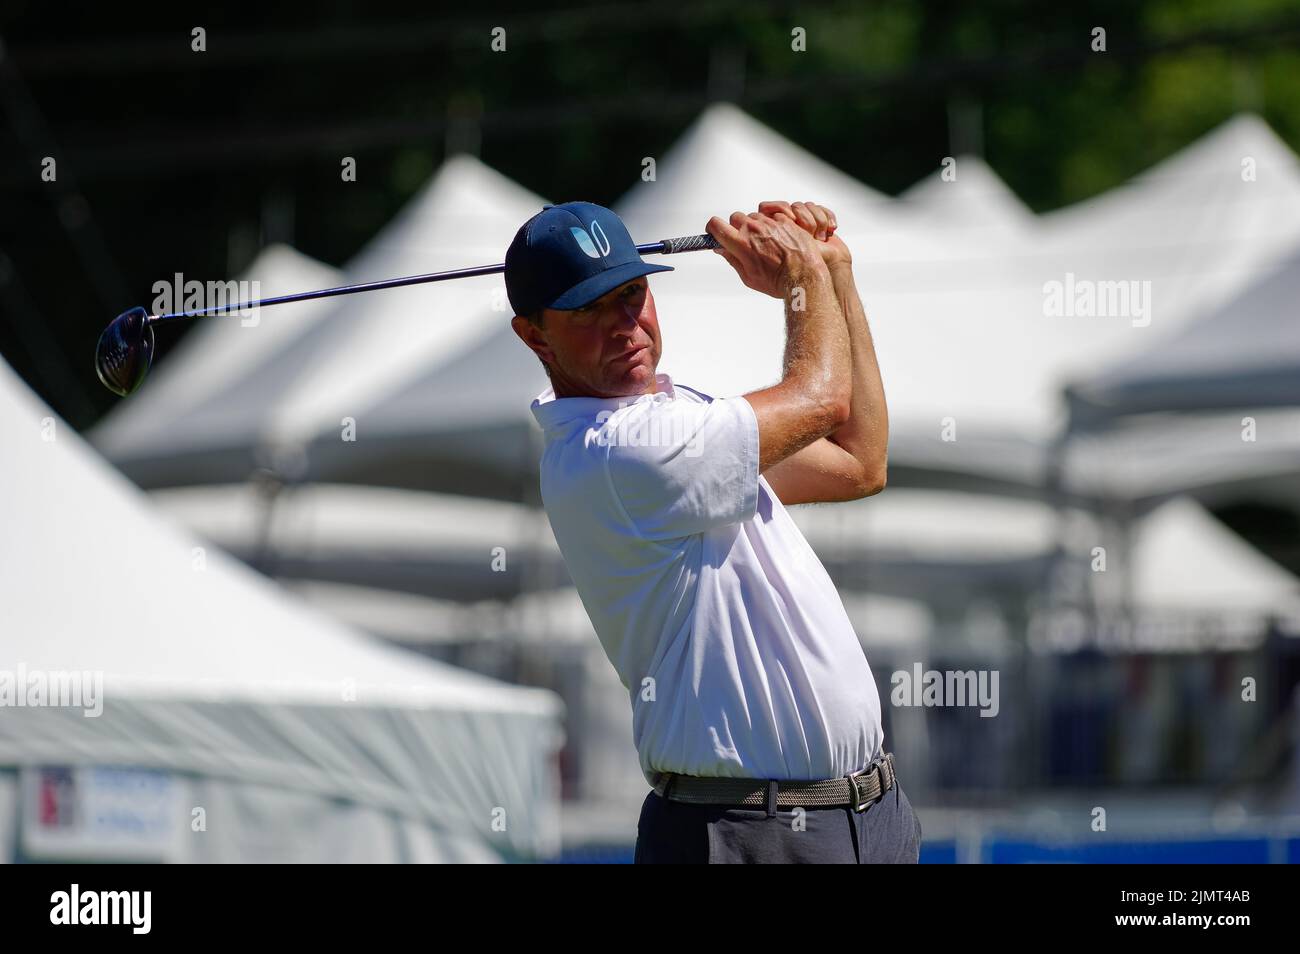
[[755, 714]]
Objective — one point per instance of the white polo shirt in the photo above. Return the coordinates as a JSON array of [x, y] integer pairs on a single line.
[[739, 658]]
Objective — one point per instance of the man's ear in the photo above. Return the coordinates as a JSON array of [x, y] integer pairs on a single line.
[[533, 336]]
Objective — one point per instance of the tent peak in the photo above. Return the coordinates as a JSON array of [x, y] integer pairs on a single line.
[[975, 192], [1245, 135]]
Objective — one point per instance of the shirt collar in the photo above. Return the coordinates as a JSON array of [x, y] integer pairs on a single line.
[[553, 413]]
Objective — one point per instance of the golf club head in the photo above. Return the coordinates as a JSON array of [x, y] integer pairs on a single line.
[[125, 351]]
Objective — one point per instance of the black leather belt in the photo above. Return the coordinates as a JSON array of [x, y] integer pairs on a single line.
[[857, 791]]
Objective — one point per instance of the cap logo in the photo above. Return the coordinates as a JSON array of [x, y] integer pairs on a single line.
[[594, 249]]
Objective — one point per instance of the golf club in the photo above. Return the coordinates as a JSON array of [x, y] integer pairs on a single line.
[[125, 349]]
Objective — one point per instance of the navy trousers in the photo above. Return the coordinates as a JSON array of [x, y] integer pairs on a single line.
[[888, 832]]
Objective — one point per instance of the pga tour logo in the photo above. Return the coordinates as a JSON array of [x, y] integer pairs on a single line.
[[77, 907]]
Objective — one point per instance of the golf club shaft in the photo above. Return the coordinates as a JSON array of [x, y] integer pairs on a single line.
[[687, 243]]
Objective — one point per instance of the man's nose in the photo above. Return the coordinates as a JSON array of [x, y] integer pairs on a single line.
[[626, 317]]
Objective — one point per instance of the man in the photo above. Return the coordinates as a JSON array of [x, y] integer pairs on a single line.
[[755, 713]]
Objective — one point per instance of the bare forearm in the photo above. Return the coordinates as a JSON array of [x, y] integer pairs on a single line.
[[812, 398], [817, 352], [866, 433]]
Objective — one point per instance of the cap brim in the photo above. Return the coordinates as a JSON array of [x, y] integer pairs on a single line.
[[592, 288]]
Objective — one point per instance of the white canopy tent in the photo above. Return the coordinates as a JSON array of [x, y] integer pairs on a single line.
[[973, 364], [1201, 225], [967, 197], [1181, 581], [1245, 353], [420, 568], [1185, 560], [146, 426], [973, 360], [300, 738], [545, 619], [1214, 411], [357, 541], [950, 549], [911, 273], [1217, 457], [1207, 407], [463, 423], [958, 315], [727, 161], [436, 546], [352, 352], [992, 364]]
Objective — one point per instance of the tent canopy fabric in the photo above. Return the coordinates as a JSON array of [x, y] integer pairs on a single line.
[[432, 546], [1175, 580], [438, 546], [214, 352], [550, 618], [1194, 227], [210, 669], [959, 318], [464, 422], [1216, 230], [972, 361], [1173, 417], [728, 161], [1201, 225], [352, 351], [1185, 560], [968, 195], [1145, 459], [1243, 354]]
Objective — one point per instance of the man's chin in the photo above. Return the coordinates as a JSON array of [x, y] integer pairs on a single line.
[[635, 380]]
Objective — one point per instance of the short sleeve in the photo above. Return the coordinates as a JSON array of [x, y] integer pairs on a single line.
[[681, 467]]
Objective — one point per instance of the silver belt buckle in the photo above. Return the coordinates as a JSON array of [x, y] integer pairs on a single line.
[[884, 769], [860, 802]]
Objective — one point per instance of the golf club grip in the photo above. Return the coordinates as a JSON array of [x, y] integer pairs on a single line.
[[689, 243]]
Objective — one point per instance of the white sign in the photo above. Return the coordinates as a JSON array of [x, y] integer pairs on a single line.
[[99, 813]]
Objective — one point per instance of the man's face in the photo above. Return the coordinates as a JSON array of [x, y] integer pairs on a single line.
[[609, 348]]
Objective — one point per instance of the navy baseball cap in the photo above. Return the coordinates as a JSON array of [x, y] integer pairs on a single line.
[[568, 255]]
